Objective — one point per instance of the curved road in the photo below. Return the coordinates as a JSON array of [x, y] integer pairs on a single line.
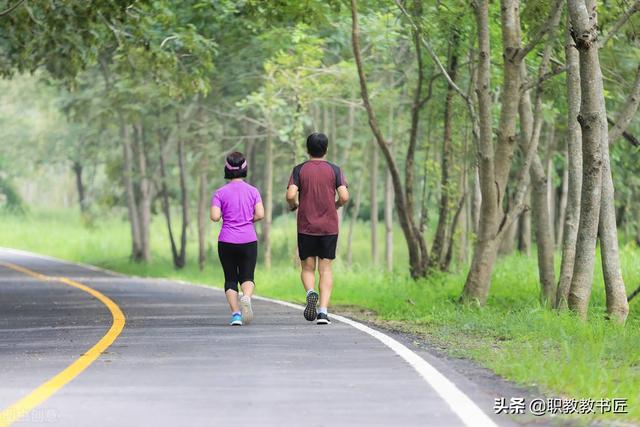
[[177, 363]]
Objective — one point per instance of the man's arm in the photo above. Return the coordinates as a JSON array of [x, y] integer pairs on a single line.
[[343, 196], [292, 197]]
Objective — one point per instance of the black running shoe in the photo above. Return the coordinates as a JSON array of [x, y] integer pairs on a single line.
[[310, 311], [323, 319]]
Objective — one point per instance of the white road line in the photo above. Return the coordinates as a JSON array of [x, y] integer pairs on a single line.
[[470, 414]]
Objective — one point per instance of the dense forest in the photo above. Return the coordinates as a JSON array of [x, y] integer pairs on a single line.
[[473, 128]]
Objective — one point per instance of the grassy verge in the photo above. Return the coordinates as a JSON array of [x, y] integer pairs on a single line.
[[513, 335]]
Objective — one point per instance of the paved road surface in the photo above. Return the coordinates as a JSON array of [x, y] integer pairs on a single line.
[[177, 363]]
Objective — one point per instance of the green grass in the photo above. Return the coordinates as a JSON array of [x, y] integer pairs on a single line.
[[513, 335]]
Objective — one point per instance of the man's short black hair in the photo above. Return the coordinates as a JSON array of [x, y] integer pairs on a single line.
[[236, 166], [317, 144]]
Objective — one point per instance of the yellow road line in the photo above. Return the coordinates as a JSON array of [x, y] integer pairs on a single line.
[[20, 408]]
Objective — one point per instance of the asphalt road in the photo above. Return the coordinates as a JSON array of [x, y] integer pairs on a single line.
[[178, 363]]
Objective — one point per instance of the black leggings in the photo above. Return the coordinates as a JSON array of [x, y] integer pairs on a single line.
[[238, 262]]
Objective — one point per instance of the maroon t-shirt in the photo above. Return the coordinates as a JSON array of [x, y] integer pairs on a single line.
[[317, 181]]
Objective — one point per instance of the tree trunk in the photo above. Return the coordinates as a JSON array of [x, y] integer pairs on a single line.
[[531, 120], [617, 305], [388, 222], [591, 118], [508, 243], [415, 241], [438, 250], [388, 198], [562, 212], [476, 201], [373, 187], [77, 170], [333, 129], [544, 233], [551, 194], [524, 229], [349, 145], [494, 167], [132, 206], [268, 202], [249, 151], [354, 216], [540, 212], [574, 168], [446, 263], [184, 201], [202, 217], [166, 206], [144, 208]]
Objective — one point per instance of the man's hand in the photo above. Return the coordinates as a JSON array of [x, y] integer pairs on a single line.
[[292, 197]]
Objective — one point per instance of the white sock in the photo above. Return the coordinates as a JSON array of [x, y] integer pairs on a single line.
[[323, 310], [309, 291]]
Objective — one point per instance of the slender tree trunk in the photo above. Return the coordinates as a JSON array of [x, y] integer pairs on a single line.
[[166, 206], [354, 216], [349, 145], [574, 168], [562, 213], [544, 234], [465, 220], [249, 151], [144, 208], [373, 187], [531, 125], [531, 120], [524, 229], [388, 222], [446, 262], [508, 243], [136, 241], [333, 129], [202, 216], [438, 249], [476, 201], [388, 198], [77, 170], [184, 201], [551, 196], [268, 202], [591, 118], [415, 241]]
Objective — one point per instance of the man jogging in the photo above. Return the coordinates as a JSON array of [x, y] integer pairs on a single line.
[[317, 182]]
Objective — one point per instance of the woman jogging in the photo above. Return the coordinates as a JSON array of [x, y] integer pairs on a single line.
[[239, 205]]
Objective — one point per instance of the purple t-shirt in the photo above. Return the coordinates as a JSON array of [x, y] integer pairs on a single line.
[[237, 201]]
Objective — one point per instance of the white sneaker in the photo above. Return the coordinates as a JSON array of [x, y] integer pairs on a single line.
[[247, 311]]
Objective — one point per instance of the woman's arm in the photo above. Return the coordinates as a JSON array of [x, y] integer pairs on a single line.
[[258, 213], [216, 214]]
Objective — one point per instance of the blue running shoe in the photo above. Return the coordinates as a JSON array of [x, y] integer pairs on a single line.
[[236, 320]]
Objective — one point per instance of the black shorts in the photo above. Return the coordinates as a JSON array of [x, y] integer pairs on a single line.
[[317, 246], [238, 262]]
